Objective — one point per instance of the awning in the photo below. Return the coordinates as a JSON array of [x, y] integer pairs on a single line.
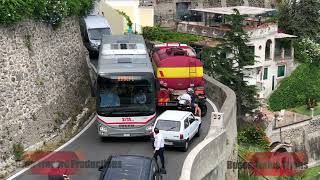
[[283, 35]]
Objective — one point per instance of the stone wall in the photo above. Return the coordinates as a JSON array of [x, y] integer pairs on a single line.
[[208, 160], [303, 136], [43, 80]]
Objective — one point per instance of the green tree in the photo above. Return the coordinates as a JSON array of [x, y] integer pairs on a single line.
[[227, 62], [300, 17], [307, 51], [129, 22]]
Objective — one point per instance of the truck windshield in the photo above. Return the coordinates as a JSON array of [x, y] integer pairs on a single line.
[[129, 97], [96, 34]]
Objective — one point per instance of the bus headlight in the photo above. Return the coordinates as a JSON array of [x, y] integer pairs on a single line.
[[103, 129], [149, 128]]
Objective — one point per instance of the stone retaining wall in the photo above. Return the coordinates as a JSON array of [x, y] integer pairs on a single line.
[[43, 81], [304, 136], [208, 160]]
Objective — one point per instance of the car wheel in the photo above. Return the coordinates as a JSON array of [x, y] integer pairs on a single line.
[[199, 131], [186, 146]]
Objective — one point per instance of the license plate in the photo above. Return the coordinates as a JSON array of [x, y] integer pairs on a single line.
[[126, 135], [168, 143]]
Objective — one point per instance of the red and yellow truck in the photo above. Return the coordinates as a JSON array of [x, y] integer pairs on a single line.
[[177, 68]]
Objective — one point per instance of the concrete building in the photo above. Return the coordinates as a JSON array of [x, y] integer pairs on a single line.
[[141, 13], [273, 50], [166, 10]]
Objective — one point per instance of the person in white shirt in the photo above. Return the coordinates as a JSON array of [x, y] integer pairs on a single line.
[[159, 147], [186, 97]]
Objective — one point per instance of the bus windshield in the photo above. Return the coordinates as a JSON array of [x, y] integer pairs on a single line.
[[135, 96]]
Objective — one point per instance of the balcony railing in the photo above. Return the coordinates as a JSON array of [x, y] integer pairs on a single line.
[[282, 54], [199, 28]]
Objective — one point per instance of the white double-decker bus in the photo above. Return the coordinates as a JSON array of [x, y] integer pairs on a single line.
[[124, 87]]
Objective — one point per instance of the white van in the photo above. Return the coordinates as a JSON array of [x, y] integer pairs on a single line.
[[92, 28]]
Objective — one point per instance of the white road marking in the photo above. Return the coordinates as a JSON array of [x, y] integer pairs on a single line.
[[213, 105], [61, 147]]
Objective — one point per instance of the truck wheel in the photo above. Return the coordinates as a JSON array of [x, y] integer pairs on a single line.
[[203, 110], [186, 146]]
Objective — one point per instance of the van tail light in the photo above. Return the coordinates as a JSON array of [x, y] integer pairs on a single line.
[[200, 90], [181, 136]]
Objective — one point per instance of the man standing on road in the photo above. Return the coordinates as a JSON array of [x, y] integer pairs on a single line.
[[159, 148]]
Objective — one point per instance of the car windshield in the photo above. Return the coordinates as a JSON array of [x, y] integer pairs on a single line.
[[168, 125], [96, 34]]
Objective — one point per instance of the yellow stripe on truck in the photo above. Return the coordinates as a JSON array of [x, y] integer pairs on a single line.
[[181, 72]]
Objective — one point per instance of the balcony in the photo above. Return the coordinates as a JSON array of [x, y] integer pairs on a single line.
[[218, 31], [262, 30], [198, 28], [283, 55]]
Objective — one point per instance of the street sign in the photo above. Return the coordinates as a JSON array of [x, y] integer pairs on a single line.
[[217, 118]]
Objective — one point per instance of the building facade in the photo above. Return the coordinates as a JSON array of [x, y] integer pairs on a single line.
[[274, 53], [141, 13], [165, 10]]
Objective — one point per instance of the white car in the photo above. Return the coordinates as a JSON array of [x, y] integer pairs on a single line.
[[178, 127]]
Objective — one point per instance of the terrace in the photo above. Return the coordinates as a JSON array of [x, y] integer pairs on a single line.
[[213, 22]]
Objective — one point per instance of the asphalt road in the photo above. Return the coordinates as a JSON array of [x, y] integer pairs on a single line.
[[93, 148]]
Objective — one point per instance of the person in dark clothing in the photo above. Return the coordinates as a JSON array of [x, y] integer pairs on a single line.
[[194, 105], [159, 148]]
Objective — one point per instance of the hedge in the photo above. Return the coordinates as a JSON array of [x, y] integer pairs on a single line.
[[52, 12], [293, 91], [162, 35]]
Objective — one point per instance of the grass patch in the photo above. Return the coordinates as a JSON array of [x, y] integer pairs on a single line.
[[303, 110], [311, 172], [18, 150]]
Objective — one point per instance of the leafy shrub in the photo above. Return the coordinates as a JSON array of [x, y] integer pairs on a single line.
[[18, 151], [253, 136], [162, 35], [51, 11], [12, 11], [293, 91], [307, 51]]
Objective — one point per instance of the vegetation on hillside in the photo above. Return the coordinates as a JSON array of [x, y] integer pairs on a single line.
[[252, 137], [52, 12], [301, 18], [294, 91], [158, 34]]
